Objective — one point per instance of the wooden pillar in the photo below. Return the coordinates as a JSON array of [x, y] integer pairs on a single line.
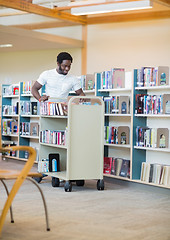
[[84, 51]]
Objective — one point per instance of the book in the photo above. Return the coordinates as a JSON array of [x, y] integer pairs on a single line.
[[123, 135], [89, 81], [113, 168], [151, 172], [34, 108], [54, 162], [166, 103], [139, 103], [34, 129], [157, 171], [165, 178], [63, 108], [107, 165], [119, 162], [125, 168], [118, 77], [163, 75], [14, 126], [124, 104], [162, 137]]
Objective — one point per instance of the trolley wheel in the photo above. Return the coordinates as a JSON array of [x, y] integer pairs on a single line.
[[68, 186], [38, 179], [55, 182], [100, 184], [80, 183]]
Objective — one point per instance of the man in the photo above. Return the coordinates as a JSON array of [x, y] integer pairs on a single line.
[[57, 81]]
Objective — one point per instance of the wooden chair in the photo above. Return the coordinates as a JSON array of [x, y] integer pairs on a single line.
[[20, 177]]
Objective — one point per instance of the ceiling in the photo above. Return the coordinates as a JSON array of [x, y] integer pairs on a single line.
[[20, 20]]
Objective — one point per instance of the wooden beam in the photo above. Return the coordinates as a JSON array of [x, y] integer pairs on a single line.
[[47, 12], [43, 25], [84, 51], [100, 20], [129, 17], [163, 2], [95, 4]]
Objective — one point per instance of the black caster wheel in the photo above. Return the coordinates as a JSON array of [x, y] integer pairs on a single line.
[[38, 179], [80, 183], [100, 184], [68, 186], [55, 182]]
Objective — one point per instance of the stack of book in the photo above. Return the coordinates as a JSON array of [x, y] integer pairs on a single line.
[[152, 76], [155, 173], [53, 108], [114, 78], [117, 166]]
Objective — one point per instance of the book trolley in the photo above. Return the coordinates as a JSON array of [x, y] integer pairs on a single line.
[[81, 158]]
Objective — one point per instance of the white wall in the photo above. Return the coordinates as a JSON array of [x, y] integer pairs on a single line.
[[129, 45], [24, 66]]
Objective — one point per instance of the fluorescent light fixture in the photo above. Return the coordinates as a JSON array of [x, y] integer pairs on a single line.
[[112, 7], [6, 45]]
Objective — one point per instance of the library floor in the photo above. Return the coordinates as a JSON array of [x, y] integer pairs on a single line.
[[124, 211]]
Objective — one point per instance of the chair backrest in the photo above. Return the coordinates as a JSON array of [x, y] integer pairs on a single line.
[[20, 179]]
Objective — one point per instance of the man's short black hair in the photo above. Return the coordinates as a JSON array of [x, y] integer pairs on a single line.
[[64, 56]]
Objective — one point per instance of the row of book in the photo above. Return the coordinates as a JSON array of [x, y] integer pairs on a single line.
[[50, 164], [43, 165], [155, 173], [9, 144], [152, 137], [152, 104], [152, 76], [87, 81], [117, 104], [26, 154], [53, 108], [116, 135], [53, 137], [13, 89], [29, 108], [115, 78], [29, 128], [117, 166], [26, 87], [9, 126], [10, 109]]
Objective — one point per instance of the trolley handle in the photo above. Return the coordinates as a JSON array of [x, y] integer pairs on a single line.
[[78, 100]]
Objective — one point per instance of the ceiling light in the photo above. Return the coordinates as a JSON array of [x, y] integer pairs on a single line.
[[111, 7], [6, 45]]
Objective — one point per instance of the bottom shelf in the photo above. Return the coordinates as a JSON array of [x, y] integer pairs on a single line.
[[61, 175], [136, 181], [151, 184], [117, 177]]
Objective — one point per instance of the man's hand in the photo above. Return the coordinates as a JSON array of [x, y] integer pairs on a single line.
[[43, 98]]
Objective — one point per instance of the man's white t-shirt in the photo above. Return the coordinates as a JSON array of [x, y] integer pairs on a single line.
[[58, 85]]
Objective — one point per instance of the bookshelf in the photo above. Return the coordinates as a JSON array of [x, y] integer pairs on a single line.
[[117, 119], [12, 97], [135, 154], [84, 132], [151, 155], [29, 118], [10, 116]]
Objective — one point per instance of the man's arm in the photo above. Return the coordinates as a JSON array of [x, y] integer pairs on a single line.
[[35, 92], [80, 92]]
